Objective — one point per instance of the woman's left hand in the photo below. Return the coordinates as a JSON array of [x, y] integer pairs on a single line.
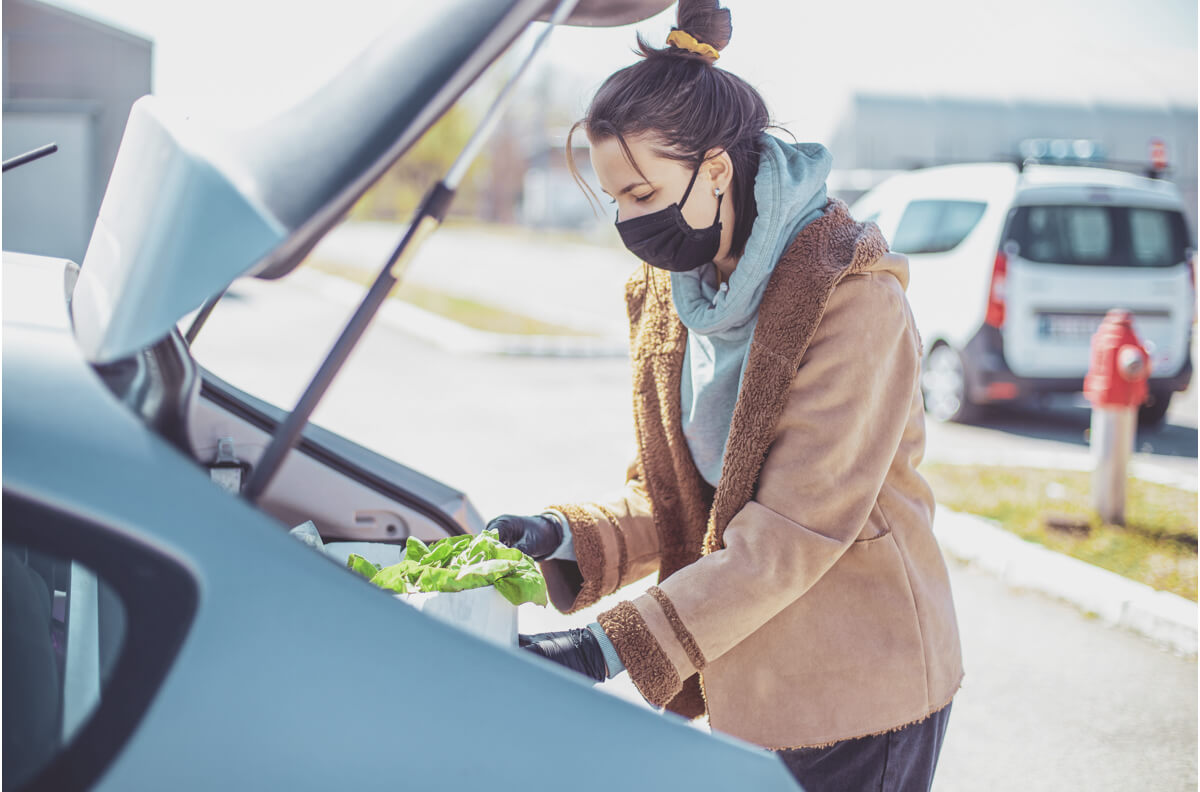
[[578, 650]]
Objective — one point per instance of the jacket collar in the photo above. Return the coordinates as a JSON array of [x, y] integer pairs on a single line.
[[828, 250]]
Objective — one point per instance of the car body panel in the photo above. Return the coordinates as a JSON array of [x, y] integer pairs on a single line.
[[296, 673], [175, 228], [29, 299], [1054, 310]]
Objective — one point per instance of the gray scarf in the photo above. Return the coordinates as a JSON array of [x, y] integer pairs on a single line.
[[789, 189]]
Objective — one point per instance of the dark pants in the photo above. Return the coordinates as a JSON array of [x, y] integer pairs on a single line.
[[899, 761]]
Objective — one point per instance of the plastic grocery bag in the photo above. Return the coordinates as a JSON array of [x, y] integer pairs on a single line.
[[307, 532], [480, 611]]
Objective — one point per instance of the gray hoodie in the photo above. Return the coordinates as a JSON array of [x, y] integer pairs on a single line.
[[790, 192]]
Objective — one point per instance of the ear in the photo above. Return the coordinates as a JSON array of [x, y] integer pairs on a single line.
[[718, 167]]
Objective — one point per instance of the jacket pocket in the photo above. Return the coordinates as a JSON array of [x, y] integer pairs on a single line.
[[877, 527]]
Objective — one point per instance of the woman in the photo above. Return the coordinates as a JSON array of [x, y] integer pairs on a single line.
[[802, 600]]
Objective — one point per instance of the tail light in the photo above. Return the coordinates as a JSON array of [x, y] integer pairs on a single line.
[[995, 306]]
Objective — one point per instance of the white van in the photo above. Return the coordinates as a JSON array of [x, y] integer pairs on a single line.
[[1014, 267]]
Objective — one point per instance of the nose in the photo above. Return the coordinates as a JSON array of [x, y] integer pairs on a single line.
[[630, 212]]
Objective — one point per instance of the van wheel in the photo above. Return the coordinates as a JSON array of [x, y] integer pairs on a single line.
[[1154, 411], [944, 386]]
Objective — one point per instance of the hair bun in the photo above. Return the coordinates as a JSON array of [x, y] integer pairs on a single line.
[[705, 21]]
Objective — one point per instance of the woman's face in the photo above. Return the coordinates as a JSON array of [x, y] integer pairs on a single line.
[[664, 183]]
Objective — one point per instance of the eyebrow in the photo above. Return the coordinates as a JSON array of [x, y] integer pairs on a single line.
[[627, 188]]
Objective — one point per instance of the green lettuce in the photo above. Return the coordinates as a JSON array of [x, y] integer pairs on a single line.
[[458, 563]]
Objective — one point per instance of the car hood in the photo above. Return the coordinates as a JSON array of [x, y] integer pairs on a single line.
[[192, 205]]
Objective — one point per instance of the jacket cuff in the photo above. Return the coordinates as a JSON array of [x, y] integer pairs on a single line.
[[648, 665], [575, 585]]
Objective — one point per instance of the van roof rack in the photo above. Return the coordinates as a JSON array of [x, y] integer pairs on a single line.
[[1084, 153], [1138, 168]]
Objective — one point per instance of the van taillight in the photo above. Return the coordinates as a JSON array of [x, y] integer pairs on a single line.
[[995, 307]]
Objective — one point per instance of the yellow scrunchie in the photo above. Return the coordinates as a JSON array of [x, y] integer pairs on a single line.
[[686, 41]]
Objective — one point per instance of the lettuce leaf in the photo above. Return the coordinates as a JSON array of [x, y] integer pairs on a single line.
[[362, 566], [415, 549], [524, 586], [458, 563]]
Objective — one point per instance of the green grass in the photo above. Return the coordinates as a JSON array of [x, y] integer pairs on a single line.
[[460, 309], [1157, 546]]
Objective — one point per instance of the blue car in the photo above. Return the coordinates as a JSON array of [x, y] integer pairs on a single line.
[[161, 629]]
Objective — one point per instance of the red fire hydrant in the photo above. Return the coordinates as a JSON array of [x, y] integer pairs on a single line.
[[1116, 387]]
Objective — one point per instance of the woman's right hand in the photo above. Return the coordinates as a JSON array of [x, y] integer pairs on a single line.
[[537, 536]]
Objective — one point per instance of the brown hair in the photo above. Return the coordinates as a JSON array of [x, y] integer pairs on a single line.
[[688, 106]]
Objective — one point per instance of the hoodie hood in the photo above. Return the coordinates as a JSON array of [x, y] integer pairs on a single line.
[[893, 263], [789, 190]]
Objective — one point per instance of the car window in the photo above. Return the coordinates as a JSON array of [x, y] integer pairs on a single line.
[[1150, 235], [91, 622], [936, 226], [1159, 238], [1098, 235], [63, 629], [1089, 232]]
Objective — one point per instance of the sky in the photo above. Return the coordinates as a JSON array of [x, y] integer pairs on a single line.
[[251, 58]]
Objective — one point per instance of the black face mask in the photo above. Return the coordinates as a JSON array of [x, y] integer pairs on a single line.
[[664, 239]]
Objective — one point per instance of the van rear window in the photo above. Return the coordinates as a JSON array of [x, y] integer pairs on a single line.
[[1094, 235]]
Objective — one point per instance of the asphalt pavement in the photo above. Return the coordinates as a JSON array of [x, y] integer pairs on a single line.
[[1055, 434], [1053, 699]]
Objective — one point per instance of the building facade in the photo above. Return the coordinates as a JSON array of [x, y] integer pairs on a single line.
[[68, 80], [881, 134]]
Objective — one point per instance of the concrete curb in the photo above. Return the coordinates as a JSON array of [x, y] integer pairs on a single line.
[[453, 336], [1165, 618]]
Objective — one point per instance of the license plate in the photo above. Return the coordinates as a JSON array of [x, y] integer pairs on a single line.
[[1068, 327]]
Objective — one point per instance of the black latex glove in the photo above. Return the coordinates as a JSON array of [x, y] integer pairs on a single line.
[[578, 650], [536, 537]]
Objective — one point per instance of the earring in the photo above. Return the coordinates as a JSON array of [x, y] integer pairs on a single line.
[[716, 190]]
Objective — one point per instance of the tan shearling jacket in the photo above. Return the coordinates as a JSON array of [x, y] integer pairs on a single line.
[[805, 600]]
